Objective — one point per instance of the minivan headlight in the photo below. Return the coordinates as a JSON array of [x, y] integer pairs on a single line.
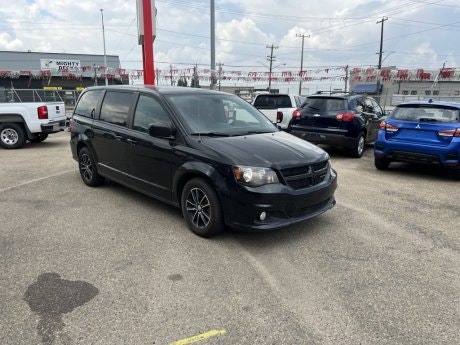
[[254, 176]]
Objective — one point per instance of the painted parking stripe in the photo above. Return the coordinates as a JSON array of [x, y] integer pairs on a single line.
[[200, 337], [36, 180]]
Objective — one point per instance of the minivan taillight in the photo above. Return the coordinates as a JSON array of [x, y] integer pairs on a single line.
[[42, 112], [387, 127], [279, 116], [345, 116], [450, 133], [296, 114]]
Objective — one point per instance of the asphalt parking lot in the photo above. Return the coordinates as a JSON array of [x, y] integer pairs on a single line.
[[107, 265]]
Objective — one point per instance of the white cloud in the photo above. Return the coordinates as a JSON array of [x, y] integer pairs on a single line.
[[341, 31], [8, 43]]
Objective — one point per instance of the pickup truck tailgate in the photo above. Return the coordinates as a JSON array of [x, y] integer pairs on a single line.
[[56, 111]]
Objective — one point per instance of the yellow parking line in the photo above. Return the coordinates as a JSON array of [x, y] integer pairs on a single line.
[[199, 337]]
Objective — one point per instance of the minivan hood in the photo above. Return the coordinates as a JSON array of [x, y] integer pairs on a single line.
[[276, 150]]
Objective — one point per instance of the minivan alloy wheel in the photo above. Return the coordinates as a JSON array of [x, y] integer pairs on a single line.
[[199, 208], [86, 167], [88, 170]]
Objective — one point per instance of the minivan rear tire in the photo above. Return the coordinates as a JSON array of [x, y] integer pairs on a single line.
[[201, 208], [87, 168]]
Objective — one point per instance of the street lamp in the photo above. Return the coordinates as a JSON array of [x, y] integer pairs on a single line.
[[103, 39]]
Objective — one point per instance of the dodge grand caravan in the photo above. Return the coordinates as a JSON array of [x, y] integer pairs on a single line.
[[210, 153]]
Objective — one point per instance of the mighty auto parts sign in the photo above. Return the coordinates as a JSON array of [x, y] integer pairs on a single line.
[[59, 65]]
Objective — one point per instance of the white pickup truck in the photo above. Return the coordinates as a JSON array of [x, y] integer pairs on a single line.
[[278, 107], [33, 121]]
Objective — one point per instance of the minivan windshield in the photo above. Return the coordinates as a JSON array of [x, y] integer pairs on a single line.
[[426, 113], [220, 115]]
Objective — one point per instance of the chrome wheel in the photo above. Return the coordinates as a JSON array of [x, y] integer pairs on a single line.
[[198, 208], [9, 136], [361, 145]]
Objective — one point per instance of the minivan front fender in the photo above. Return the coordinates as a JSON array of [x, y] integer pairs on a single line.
[[204, 170]]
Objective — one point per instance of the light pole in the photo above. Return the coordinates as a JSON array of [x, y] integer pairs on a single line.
[[103, 39]]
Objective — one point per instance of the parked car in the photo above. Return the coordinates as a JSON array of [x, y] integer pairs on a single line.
[[278, 107], [338, 119], [29, 121], [425, 132], [210, 153]]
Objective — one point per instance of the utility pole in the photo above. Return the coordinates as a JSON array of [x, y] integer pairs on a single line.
[[105, 55], [301, 61], [381, 41], [171, 74], [270, 58], [219, 72], [213, 47], [346, 78]]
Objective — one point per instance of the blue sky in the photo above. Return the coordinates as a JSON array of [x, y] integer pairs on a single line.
[[417, 34]]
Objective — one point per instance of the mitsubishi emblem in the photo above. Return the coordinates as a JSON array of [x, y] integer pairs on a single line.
[[417, 127]]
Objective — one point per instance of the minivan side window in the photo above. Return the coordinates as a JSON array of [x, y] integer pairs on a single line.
[[115, 107], [149, 111], [88, 102]]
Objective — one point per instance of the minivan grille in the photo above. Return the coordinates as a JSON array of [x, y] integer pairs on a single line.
[[305, 175]]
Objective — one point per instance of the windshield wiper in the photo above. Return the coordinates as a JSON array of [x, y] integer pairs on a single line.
[[427, 119], [211, 134], [257, 132], [309, 106]]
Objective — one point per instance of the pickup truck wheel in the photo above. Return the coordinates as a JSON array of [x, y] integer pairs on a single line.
[[358, 150], [39, 138], [87, 167], [12, 136], [201, 208]]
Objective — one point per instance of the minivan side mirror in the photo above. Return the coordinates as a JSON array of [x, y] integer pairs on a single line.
[[162, 131]]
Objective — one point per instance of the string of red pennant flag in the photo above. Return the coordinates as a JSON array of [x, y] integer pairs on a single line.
[[356, 74]]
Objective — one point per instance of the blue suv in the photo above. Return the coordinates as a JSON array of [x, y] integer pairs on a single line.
[[425, 132]]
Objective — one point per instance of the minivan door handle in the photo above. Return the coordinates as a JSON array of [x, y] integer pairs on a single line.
[[131, 141], [118, 137]]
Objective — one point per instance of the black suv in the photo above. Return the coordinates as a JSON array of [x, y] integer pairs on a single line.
[[210, 153], [343, 120]]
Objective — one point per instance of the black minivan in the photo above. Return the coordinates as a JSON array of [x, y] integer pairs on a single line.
[[210, 153]]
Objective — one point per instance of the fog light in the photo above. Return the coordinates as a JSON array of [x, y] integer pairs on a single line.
[[262, 216]]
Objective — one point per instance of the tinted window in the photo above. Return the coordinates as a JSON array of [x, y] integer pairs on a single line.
[[149, 111], [299, 100], [273, 102], [88, 102], [115, 107], [325, 104], [377, 110], [221, 114], [422, 112]]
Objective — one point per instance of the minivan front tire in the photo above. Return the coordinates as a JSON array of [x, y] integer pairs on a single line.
[[201, 208], [87, 167]]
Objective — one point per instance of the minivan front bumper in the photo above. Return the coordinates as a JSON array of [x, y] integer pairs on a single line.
[[282, 205]]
